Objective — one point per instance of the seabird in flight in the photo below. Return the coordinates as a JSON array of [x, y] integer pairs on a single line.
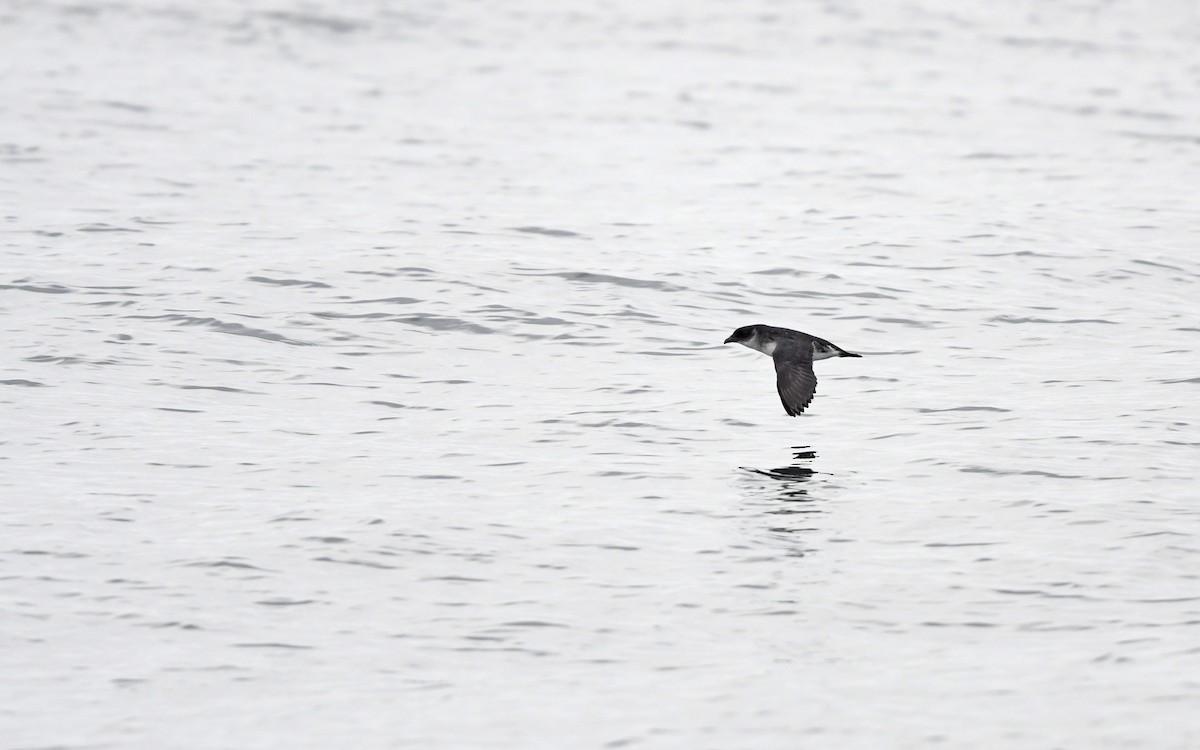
[[794, 353]]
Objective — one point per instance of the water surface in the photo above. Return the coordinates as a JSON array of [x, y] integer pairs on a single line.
[[364, 379]]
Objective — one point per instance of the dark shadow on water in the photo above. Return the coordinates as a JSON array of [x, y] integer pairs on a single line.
[[783, 495], [790, 478]]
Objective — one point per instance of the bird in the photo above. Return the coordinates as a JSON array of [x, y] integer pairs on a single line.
[[794, 353]]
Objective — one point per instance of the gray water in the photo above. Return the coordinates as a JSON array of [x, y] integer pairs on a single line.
[[364, 383]]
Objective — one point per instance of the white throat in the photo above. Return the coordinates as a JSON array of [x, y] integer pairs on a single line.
[[758, 345]]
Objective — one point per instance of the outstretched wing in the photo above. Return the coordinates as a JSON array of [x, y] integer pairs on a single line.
[[795, 378]]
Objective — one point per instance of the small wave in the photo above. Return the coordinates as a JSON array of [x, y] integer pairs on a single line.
[[272, 645], [1015, 319], [234, 329], [439, 323], [319, 22], [547, 232], [102, 227], [1031, 473], [47, 289], [290, 282], [962, 408], [222, 388], [1162, 137], [504, 313], [905, 322], [394, 405], [354, 316], [69, 360], [1158, 265], [389, 300], [817, 295], [587, 277]]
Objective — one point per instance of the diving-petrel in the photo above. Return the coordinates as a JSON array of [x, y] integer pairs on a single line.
[[794, 353]]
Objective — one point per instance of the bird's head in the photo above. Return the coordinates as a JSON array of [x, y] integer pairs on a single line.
[[743, 335]]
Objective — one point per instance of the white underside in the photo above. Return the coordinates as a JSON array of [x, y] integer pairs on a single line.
[[768, 348]]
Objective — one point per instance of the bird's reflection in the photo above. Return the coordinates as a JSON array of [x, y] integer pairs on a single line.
[[791, 478], [783, 494]]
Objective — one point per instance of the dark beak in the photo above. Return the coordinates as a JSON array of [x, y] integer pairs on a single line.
[[729, 339]]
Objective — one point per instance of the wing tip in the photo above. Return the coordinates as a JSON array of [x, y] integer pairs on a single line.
[[794, 412]]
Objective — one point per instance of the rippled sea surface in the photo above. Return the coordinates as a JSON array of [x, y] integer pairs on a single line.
[[363, 380]]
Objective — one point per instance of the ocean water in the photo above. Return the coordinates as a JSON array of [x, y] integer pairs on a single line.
[[364, 379]]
